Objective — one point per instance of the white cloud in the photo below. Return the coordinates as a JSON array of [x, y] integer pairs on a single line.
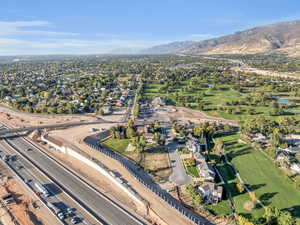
[[19, 28], [33, 37]]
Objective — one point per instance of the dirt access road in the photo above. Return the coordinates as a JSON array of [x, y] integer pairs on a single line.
[[26, 209]]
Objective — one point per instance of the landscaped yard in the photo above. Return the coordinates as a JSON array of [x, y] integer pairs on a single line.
[[119, 145], [192, 170], [261, 176], [220, 209]]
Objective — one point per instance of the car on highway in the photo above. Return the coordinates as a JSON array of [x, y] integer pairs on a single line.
[[20, 167], [76, 220], [71, 212], [28, 149], [61, 215], [27, 181]]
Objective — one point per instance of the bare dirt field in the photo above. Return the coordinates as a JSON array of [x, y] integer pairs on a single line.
[[159, 163], [21, 210], [22, 119], [185, 115]]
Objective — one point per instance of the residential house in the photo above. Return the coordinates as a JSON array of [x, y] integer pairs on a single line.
[[295, 167], [193, 146], [259, 137], [211, 193], [158, 102], [206, 170]]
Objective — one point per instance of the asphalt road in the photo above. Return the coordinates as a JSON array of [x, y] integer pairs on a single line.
[[106, 212]]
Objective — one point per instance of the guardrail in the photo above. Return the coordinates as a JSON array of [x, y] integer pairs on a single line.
[[192, 216]]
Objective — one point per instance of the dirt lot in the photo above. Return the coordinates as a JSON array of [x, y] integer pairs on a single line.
[[185, 115], [21, 210], [159, 163], [22, 119]]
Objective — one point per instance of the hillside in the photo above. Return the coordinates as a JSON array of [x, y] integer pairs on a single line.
[[170, 48], [283, 37]]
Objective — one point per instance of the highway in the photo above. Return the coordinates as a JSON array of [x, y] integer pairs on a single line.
[[31, 175], [102, 208]]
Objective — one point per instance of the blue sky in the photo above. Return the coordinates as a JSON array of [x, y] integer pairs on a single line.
[[100, 26]]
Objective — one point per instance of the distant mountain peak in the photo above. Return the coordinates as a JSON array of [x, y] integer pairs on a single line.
[[282, 37], [169, 48]]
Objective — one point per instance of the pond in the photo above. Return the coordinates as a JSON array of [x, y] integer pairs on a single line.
[[283, 100]]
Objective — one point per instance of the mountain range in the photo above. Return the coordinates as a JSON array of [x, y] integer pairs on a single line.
[[282, 37]]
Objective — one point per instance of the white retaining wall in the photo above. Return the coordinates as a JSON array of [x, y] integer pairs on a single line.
[[75, 154]]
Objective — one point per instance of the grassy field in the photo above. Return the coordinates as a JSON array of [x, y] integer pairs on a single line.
[[213, 99], [261, 176], [118, 145]]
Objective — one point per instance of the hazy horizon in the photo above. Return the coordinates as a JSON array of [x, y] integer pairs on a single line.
[[117, 27]]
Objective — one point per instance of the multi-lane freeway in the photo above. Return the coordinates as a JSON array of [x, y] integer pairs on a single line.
[[30, 175], [106, 211]]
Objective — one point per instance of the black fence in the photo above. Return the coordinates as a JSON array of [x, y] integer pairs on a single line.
[[194, 217]]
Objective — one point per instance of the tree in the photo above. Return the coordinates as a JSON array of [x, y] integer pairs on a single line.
[[139, 143], [271, 214], [130, 123], [285, 218], [130, 132], [243, 221], [227, 128], [240, 187], [253, 196], [219, 147]]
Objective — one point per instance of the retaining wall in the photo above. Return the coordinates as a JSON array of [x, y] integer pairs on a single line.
[[85, 158]]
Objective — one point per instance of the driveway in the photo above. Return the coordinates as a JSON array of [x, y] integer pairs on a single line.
[[179, 175]]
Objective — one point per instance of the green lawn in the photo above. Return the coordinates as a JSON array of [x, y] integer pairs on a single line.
[[262, 176], [153, 90], [119, 145], [221, 209], [213, 99], [192, 171]]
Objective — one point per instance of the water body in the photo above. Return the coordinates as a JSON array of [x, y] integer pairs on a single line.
[[283, 100]]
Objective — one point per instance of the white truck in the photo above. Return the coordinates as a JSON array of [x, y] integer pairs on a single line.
[[41, 188]]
